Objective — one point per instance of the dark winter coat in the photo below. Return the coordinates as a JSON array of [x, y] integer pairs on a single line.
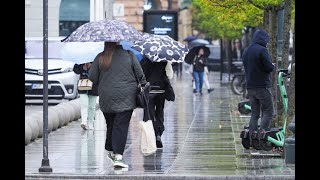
[[257, 61], [156, 74], [78, 69], [199, 63], [117, 86]]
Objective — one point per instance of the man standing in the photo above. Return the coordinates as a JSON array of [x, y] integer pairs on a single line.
[[258, 67]]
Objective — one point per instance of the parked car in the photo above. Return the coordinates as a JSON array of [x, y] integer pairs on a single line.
[[62, 81]]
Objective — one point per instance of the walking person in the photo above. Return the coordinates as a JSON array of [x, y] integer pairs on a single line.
[[87, 98], [205, 79], [199, 63], [258, 68], [156, 74], [115, 70]]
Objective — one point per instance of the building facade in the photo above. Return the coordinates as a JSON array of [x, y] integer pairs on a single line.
[[64, 16]]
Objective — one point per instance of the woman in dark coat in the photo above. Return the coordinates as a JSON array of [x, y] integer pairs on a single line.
[[199, 64], [115, 70], [87, 98], [156, 74]]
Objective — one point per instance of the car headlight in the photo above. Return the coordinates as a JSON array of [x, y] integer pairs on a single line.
[[65, 70]]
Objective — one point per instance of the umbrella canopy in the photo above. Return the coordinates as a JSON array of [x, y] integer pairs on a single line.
[[83, 52], [160, 48], [190, 38], [128, 46], [198, 42], [104, 30], [194, 51]]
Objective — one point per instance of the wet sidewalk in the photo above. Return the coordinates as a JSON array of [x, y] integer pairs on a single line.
[[201, 141]]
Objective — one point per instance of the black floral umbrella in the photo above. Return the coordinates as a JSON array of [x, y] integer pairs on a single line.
[[106, 31], [194, 51], [160, 48]]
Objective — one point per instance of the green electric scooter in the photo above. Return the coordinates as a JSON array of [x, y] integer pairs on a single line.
[[271, 137]]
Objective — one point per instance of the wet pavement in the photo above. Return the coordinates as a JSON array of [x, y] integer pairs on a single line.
[[201, 141]]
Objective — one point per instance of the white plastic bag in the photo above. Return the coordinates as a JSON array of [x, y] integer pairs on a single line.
[[169, 70], [148, 138]]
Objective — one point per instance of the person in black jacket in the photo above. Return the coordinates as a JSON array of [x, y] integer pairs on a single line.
[[258, 68], [155, 73], [87, 98], [199, 64]]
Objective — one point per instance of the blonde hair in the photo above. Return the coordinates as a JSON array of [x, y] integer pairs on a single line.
[[106, 56]]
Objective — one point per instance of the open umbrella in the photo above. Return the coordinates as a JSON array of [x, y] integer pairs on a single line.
[[194, 51], [198, 42], [104, 30], [83, 52], [160, 48], [190, 38], [128, 46]]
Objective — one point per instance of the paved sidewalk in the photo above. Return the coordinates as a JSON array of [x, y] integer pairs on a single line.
[[201, 141]]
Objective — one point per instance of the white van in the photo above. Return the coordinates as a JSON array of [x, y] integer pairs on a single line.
[[62, 81]]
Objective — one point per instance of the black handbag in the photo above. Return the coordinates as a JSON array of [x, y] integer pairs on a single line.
[[142, 98], [143, 91]]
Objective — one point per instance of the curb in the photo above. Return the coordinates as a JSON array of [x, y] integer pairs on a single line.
[[58, 116]]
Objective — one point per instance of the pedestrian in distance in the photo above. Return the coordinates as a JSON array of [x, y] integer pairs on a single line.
[[205, 79], [199, 64], [115, 70], [157, 74], [87, 97], [258, 68]]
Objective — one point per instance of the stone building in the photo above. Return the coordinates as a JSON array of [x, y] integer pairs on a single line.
[[64, 16]]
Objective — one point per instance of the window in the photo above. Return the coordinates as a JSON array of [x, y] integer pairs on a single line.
[[73, 13]]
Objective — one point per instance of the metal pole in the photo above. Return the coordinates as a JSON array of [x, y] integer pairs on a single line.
[[45, 166], [108, 4], [221, 59], [169, 4]]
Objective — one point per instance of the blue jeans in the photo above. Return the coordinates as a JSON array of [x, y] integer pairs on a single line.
[[198, 78], [261, 100]]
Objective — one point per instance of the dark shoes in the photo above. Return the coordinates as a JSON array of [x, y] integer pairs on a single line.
[[209, 90], [159, 142]]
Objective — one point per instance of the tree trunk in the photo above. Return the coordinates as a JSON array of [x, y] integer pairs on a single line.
[[274, 57], [269, 29], [266, 21], [291, 89], [228, 56], [286, 33]]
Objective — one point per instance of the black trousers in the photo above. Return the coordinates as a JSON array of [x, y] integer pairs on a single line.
[[117, 130], [156, 106], [261, 101]]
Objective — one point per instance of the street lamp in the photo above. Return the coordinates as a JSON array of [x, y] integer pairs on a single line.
[[45, 166]]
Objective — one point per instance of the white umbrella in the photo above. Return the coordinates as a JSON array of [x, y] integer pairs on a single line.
[[81, 52]]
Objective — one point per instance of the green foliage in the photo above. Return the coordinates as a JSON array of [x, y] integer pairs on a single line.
[[266, 3], [293, 9], [227, 18], [224, 19]]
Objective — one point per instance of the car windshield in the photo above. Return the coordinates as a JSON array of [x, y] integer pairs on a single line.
[[34, 49]]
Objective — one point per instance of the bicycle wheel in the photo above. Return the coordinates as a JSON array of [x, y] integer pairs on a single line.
[[245, 143], [265, 145]]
